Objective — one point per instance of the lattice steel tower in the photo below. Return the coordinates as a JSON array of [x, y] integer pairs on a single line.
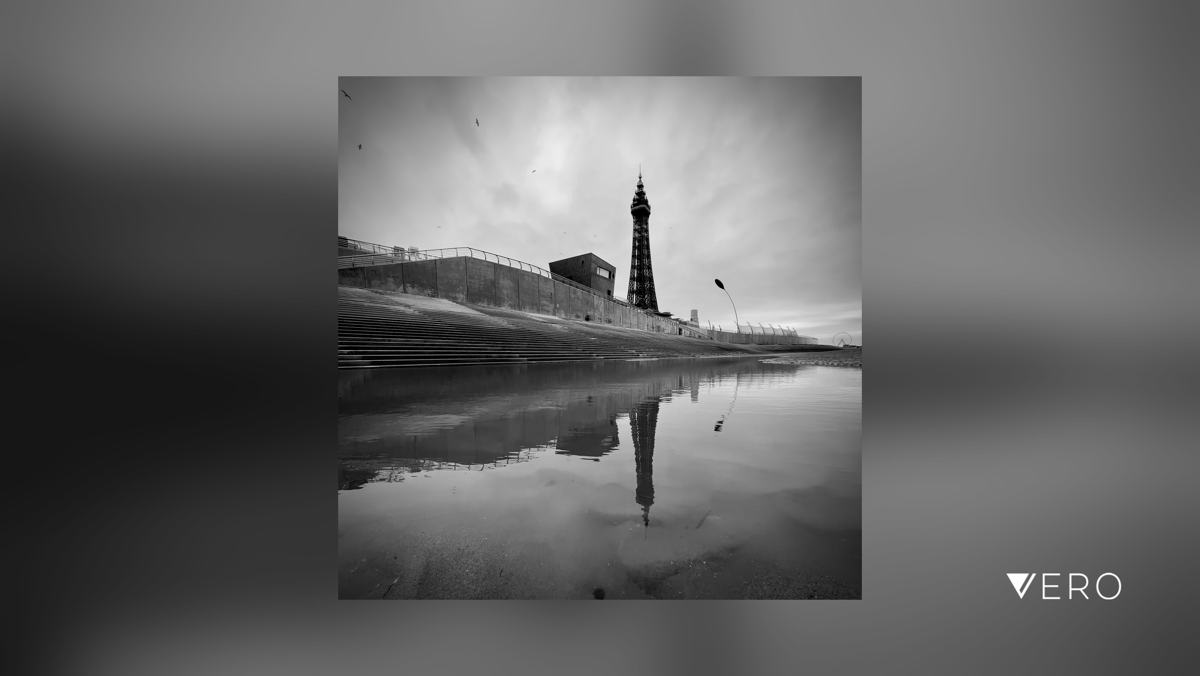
[[643, 420], [641, 274]]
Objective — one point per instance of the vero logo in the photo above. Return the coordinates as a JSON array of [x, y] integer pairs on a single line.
[[1022, 581]]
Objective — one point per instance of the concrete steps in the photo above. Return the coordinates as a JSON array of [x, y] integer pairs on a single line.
[[394, 330]]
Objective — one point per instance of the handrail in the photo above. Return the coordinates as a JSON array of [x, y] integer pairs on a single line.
[[348, 243], [760, 331], [387, 257]]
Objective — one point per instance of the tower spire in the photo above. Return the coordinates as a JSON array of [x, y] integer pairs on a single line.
[[640, 292]]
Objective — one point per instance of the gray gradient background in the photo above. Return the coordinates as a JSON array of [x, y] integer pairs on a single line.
[[1030, 210]]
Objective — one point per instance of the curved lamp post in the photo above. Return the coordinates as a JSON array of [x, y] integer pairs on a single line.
[[735, 319]]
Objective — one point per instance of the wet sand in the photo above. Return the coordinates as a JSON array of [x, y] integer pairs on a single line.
[[708, 479], [458, 565], [851, 356]]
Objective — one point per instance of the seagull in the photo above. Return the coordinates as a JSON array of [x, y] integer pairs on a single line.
[[347, 95], [477, 122]]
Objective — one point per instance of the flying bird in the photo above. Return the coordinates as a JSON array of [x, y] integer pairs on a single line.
[[477, 122], [360, 146], [346, 95], [534, 171]]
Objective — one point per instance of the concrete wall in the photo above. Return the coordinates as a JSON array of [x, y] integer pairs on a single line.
[[351, 277], [545, 296], [389, 277], [528, 291], [420, 278], [575, 306], [507, 288], [481, 282], [452, 279], [562, 299], [471, 280]]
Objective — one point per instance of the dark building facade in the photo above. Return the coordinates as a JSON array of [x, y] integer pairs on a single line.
[[589, 270]]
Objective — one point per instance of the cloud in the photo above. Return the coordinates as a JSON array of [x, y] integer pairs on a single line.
[[754, 180]]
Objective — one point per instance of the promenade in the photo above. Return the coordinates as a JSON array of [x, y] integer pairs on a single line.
[[388, 329]]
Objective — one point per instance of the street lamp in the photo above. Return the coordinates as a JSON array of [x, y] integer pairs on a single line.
[[735, 319]]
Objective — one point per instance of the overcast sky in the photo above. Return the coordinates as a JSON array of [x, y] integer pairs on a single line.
[[756, 181]]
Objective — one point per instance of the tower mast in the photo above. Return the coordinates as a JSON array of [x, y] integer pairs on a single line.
[[641, 274]]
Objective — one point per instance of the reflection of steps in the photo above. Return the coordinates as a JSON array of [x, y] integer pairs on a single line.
[[392, 330]]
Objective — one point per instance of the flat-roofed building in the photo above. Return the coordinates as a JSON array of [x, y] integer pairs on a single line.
[[587, 269]]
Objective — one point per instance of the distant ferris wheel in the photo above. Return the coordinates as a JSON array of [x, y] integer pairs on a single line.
[[842, 339]]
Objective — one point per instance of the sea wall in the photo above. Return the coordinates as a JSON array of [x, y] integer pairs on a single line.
[[470, 280]]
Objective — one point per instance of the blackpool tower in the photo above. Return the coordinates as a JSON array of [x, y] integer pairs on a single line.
[[641, 274], [643, 420]]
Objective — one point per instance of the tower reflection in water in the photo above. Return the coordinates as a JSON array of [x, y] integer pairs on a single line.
[[397, 424], [643, 418]]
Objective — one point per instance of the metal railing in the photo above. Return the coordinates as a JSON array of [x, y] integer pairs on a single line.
[[367, 247], [758, 337], [389, 256], [758, 329]]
